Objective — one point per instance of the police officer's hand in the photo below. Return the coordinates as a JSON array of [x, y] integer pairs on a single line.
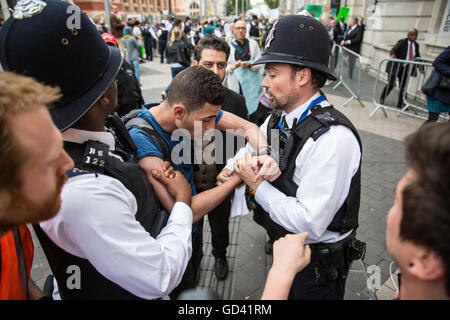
[[224, 176], [266, 168], [178, 187], [243, 167], [290, 255]]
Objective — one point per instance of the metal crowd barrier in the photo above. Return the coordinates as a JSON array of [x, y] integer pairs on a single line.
[[349, 72], [259, 40], [410, 76]]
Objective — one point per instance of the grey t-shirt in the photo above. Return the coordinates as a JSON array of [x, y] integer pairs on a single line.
[[133, 46]]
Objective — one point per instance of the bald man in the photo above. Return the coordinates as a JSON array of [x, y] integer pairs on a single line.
[[405, 49]]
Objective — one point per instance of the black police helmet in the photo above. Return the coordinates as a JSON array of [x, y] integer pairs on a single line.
[[37, 41], [299, 40]]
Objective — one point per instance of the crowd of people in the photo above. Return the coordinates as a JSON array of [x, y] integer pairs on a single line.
[[116, 188]]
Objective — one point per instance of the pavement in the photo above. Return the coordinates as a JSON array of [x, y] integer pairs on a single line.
[[383, 164]]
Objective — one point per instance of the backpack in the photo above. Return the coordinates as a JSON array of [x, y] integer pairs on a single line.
[[196, 37], [131, 120], [163, 35], [254, 31]]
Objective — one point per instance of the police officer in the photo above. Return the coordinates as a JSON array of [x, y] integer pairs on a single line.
[[319, 153], [109, 240]]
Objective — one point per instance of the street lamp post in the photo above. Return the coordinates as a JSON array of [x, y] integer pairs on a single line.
[[5, 10], [107, 16]]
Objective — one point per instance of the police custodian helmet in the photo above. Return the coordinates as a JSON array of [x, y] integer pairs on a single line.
[[299, 40], [56, 43]]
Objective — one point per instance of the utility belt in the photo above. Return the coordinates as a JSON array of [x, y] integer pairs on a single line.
[[333, 260]]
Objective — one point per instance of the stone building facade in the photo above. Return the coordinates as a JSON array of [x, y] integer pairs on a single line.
[[387, 21]]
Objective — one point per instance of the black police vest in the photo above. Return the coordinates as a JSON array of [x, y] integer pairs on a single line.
[[314, 125], [92, 158]]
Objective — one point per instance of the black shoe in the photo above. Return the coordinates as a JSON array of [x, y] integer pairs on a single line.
[[221, 268], [269, 247], [382, 101]]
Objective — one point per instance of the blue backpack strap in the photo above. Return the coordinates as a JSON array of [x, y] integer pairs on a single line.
[[238, 49]]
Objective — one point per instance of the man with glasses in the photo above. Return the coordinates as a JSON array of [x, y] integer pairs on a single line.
[[242, 77]]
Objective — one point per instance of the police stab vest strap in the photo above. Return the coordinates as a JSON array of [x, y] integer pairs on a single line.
[[92, 158], [314, 126]]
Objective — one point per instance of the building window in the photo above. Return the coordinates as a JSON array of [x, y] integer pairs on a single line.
[[194, 9]]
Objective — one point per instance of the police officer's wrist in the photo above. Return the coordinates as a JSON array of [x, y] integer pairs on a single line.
[[264, 150], [254, 185]]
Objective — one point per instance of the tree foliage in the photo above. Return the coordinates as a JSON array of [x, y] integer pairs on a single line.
[[272, 4], [231, 6]]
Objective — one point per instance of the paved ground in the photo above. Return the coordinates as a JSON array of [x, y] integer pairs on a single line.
[[382, 167]]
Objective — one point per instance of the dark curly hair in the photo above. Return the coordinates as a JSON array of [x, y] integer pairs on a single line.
[[195, 86], [211, 42], [426, 201]]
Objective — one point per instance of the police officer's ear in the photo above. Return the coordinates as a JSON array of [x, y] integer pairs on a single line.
[[195, 63], [304, 76], [109, 98]]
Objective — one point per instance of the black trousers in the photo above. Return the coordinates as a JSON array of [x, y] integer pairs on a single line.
[[218, 222], [334, 58], [401, 74], [260, 115], [189, 280], [162, 49], [351, 65], [148, 49], [307, 286]]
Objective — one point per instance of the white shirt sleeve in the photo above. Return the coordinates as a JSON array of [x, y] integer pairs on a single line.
[[248, 148], [97, 222], [324, 170], [152, 33]]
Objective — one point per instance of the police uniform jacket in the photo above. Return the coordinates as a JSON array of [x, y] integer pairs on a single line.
[[97, 222], [323, 174]]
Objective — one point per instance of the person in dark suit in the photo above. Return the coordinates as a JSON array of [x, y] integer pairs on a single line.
[[404, 49], [212, 53], [361, 24], [352, 41], [342, 25], [338, 36]]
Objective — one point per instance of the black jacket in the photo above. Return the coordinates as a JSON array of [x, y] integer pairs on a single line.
[[235, 104], [400, 50], [442, 65], [355, 37], [338, 35], [179, 52], [128, 91]]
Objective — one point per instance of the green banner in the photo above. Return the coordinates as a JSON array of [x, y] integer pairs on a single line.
[[316, 10], [343, 12]]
